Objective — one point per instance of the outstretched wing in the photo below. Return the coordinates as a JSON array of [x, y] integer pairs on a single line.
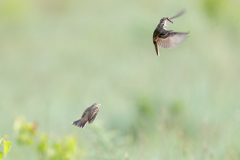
[[93, 115], [171, 40], [179, 14]]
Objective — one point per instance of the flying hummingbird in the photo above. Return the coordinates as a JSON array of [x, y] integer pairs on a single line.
[[88, 115], [167, 39]]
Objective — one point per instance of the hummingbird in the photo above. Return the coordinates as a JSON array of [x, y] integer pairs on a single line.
[[88, 115], [167, 39]]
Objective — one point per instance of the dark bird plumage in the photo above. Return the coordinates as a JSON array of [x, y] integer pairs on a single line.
[[89, 115], [167, 39]]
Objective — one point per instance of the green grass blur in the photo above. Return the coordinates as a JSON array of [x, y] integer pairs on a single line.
[[58, 57]]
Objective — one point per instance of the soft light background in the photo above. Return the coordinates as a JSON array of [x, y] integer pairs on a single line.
[[58, 57]]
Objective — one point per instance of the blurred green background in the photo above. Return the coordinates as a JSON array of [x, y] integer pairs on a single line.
[[58, 57]]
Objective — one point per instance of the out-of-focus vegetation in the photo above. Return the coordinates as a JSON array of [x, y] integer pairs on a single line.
[[59, 57], [45, 146], [6, 145]]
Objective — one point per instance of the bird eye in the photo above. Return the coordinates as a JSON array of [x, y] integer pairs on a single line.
[[162, 20]]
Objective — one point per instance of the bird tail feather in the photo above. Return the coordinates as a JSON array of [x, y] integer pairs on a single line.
[[79, 123]]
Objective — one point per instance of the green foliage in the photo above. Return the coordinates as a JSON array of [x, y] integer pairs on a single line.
[[50, 147], [214, 7], [25, 132], [104, 142], [222, 13], [43, 144], [146, 109], [6, 146], [177, 108], [64, 148], [46, 146]]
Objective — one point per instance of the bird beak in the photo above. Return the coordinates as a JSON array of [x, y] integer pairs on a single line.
[[168, 20]]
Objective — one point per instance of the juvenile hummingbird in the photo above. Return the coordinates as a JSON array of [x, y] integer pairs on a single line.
[[167, 39], [88, 115]]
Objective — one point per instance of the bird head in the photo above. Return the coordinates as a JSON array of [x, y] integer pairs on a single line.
[[163, 22], [96, 104], [164, 19]]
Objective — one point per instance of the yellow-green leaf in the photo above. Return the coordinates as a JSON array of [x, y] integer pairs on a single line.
[[7, 145], [1, 155]]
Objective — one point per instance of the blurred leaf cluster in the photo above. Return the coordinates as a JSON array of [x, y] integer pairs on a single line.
[[25, 132], [57, 149], [150, 113], [46, 146], [49, 147], [223, 12], [6, 146]]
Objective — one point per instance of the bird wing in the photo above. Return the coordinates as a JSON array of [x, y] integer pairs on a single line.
[[84, 113], [93, 115], [172, 39], [179, 14]]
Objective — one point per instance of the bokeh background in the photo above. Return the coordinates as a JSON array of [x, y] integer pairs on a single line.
[[58, 57]]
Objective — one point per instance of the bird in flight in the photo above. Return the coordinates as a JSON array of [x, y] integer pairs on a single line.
[[167, 39], [88, 116]]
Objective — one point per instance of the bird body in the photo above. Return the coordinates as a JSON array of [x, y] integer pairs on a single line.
[[167, 39], [88, 115]]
